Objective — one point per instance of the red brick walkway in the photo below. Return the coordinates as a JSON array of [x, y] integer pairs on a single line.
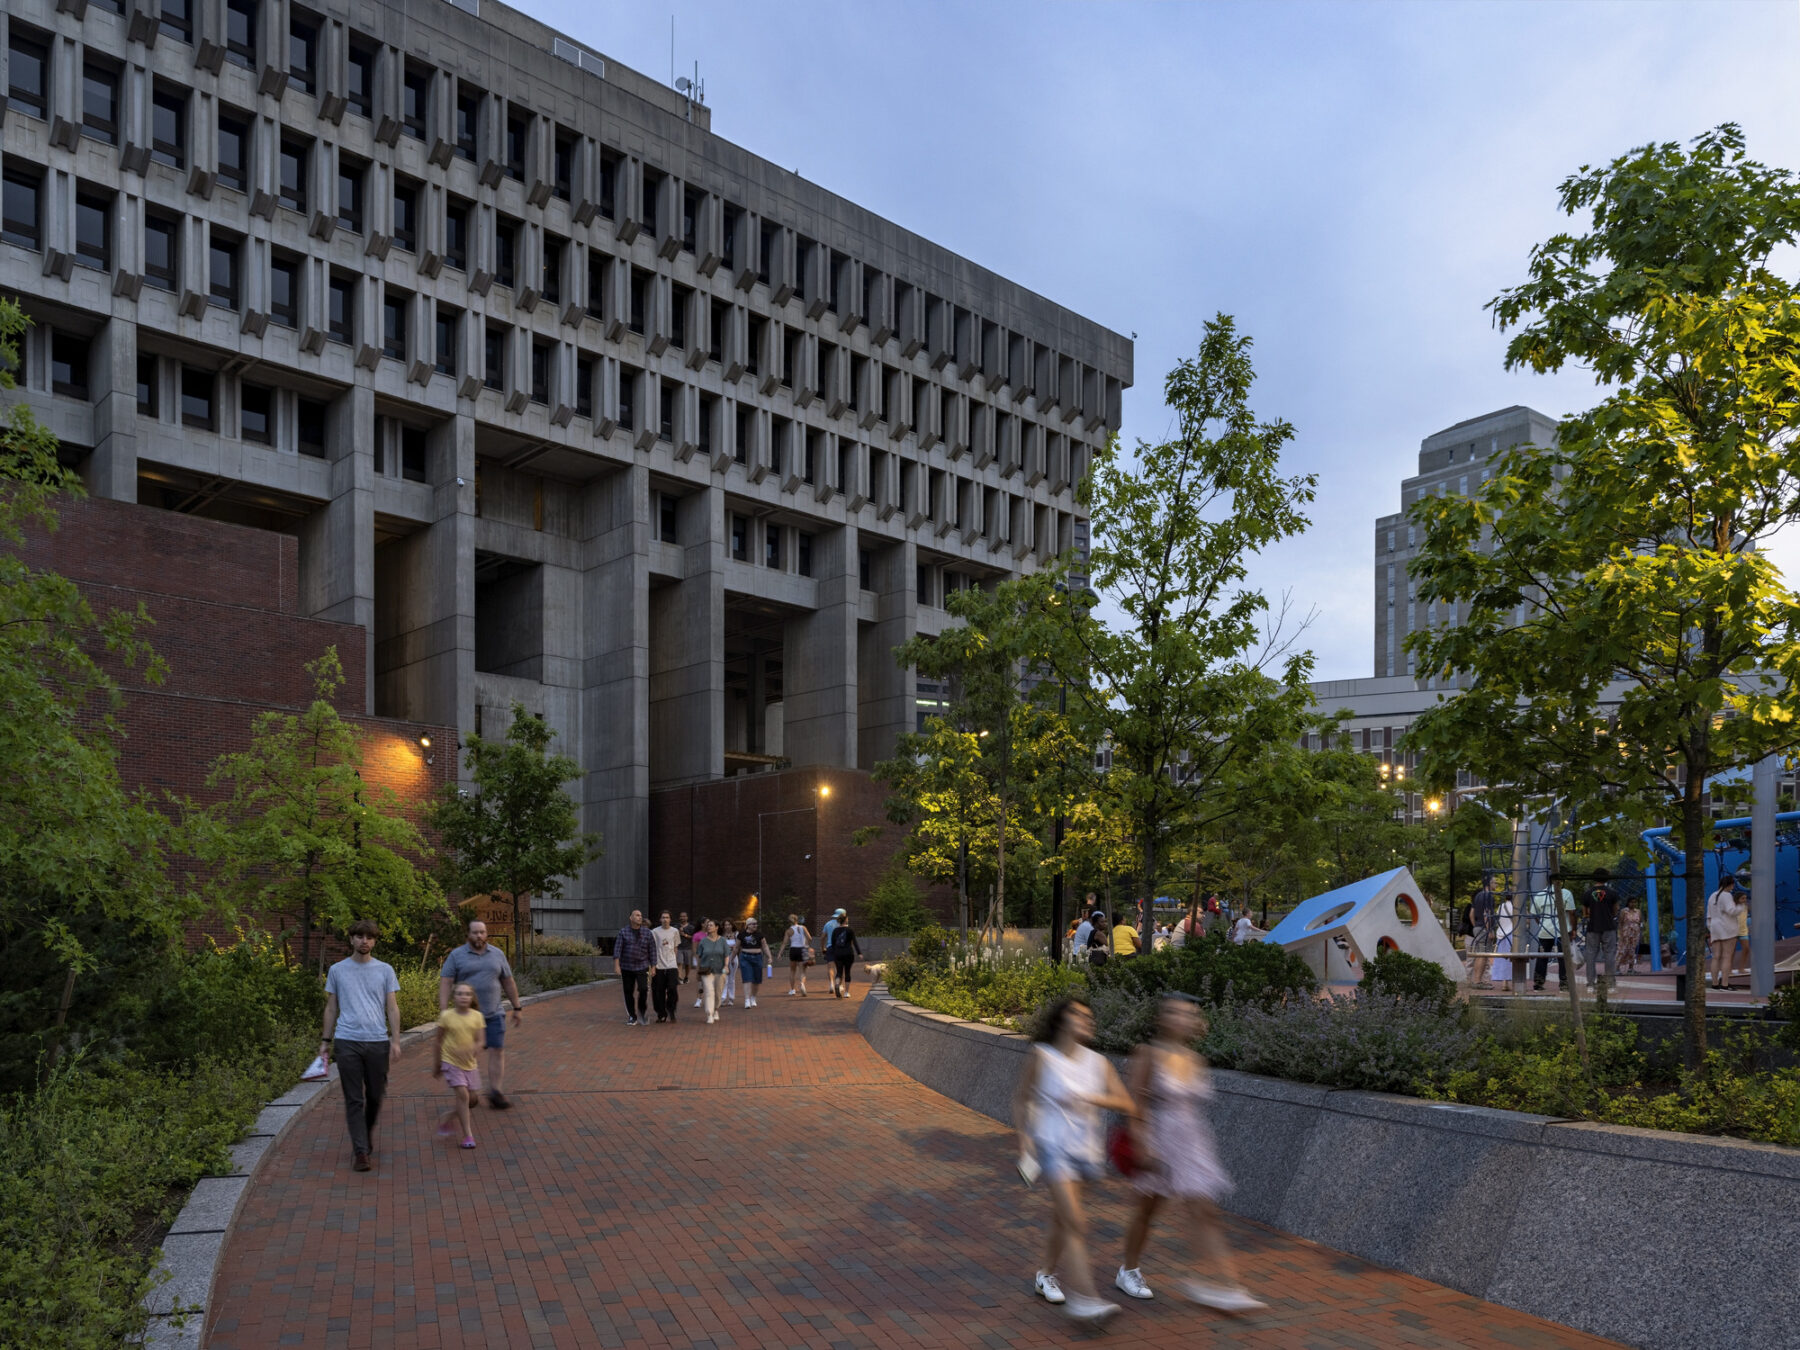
[[766, 1182]]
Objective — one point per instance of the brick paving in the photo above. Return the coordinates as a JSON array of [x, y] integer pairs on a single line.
[[769, 1181]]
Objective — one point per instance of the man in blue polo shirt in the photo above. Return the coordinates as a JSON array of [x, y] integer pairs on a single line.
[[485, 968]]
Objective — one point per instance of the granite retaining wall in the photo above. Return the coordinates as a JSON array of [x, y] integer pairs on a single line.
[[1655, 1239]]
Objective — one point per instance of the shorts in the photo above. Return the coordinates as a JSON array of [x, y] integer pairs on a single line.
[[1060, 1165], [463, 1078], [496, 1030], [751, 968], [797, 955]]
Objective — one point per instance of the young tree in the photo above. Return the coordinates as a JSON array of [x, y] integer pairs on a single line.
[[1187, 686], [518, 833], [299, 831], [1627, 640], [937, 788]]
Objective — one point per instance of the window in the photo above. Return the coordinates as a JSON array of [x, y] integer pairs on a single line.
[[564, 163], [406, 216], [393, 326], [310, 431], [468, 121], [667, 513], [772, 545], [708, 411], [540, 372], [834, 269], [359, 92], [100, 103], [284, 291], [506, 250], [168, 128], [28, 75], [790, 355], [627, 398], [640, 289], [754, 331], [197, 398], [234, 152], [293, 175], [740, 539], [350, 195], [147, 390], [518, 126], [222, 271], [803, 554], [765, 254], [721, 318], [456, 235], [69, 365], [922, 583], [647, 216], [412, 454], [21, 208], [731, 224], [340, 309], [493, 373], [256, 418], [609, 181], [444, 328], [803, 249], [665, 412], [584, 386], [240, 32], [162, 251], [678, 317], [599, 269], [177, 19], [809, 466], [778, 437], [303, 54], [690, 215], [553, 263], [865, 566], [93, 231], [415, 94], [741, 445]]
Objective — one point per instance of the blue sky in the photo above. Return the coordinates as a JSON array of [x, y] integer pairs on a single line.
[[1352, 181]]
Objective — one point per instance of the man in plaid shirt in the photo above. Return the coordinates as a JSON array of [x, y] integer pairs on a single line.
[[633, 954]]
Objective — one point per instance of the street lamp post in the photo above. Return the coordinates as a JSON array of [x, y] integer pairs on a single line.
[[1056, 881], [824, 791]]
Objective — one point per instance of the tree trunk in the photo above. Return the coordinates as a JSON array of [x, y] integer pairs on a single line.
[[962, 888], [1694, 1014], [1000, 880], [1147, 920]]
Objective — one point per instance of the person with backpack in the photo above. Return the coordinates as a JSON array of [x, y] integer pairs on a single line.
[[844, 951], [1600, 910], [837, 917], [1479, 931]]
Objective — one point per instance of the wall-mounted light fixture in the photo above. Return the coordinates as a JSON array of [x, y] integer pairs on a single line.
[[425, 745]]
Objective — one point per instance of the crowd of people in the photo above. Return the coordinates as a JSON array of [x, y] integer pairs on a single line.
[[1096, 938]]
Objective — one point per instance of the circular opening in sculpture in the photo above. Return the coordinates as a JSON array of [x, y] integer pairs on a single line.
[[1331, 915], [1405, 910], [1387, 944]]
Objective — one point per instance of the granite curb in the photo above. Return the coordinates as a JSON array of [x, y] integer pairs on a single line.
[[195, 1241], [1469, 1197]]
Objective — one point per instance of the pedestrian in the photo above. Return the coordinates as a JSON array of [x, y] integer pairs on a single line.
[[634, 952], [710, 956], [837, 917], [1600, 913], [665, 982], [460, 1032], [1065, 1086], [753, 959], [1722, 910], [1243, 930], [728, 986], [362, 1032], [1124, 937], [1480, 937], [844, 951], [686, 959], [800, 955], [484, 966], [1099, 939], [1078, 940], [1631, 932], [1742, 946], [1176, 1160], [1541, 920]]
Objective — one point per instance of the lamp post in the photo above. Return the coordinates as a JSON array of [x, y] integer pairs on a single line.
[[823, 790], [1056, 880]]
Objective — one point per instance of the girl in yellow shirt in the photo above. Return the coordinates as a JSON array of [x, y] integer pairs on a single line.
[[461, 1029]]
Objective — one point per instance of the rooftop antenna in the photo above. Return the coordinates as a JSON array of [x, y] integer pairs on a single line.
[[694, 89]]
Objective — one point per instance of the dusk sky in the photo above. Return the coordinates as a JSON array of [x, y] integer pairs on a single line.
[[1352, 181]]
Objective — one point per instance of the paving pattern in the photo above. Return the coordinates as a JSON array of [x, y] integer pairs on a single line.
[[769, 1181]]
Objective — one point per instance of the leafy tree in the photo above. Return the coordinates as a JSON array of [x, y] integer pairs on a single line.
[[299, 831], [518, 833], [894, 905], [1181, 687], [1627, 640]]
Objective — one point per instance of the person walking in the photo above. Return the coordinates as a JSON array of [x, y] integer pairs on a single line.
[[1481, 936], [1600, 914], [728, 985], [460, 1031], [710, 956], [362, 1032], [1541, 922], [1722, 913], [1631, 932], [753, 959], [1057, 1103], [687, 943], [1742, 946], [844, 951], [837, 917], [799, 950], [1176, 1159], [634, 952], [665, 982], [484, 967]]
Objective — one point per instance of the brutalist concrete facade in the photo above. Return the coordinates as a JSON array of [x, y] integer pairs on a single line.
[[568, 400]]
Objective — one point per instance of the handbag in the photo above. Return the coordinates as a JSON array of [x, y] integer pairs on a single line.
[[809, 956], [1121, 1152]]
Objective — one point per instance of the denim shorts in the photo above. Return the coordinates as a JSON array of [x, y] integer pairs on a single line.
[[751, 969], [496, 1030]]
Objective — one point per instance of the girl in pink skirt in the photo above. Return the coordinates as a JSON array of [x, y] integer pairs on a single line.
[[1176, 1160], [461, 1031]]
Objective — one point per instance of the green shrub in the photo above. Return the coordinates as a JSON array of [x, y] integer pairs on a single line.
[[232, 1002], [1123, 1018], [1398, 975], [1376, 1044], [1006, 990], [1784, 1003], [547, 975], [418, 995], [1213, 969], [558, 944], [895, 906]]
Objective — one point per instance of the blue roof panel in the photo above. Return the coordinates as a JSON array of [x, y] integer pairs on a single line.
[[1350, 898]]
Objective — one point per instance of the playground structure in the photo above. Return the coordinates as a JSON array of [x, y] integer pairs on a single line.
[[1730, 855], [1339, 932]]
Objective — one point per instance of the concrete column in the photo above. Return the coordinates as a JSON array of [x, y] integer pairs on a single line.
[[819, 660], [886, 690], [1767, 778], [615, 742], [337, 541], [687, 651], [425, 596], [112, 469]]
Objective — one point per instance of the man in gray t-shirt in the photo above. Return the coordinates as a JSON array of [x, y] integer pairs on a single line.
[[485, 969], [362, 1032]]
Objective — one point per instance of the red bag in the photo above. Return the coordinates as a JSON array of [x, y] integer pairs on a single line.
[[1121, 1152]]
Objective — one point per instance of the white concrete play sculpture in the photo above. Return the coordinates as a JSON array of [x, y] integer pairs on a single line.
[[1338, 932]]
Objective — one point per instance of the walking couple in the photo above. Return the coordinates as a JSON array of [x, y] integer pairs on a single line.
[[1165, 1148]]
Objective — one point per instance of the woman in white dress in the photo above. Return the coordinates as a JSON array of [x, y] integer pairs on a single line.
[[1501, 970], [1056, 1106], [1722, 913]]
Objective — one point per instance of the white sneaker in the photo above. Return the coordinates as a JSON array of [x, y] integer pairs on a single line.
[[1047, 1286], [1132, 1282], [1091, 1310], [750, 1003], [696, 1003], [1221, 1298]]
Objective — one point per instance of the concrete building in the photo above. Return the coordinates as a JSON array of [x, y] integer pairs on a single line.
[[567, 400]]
